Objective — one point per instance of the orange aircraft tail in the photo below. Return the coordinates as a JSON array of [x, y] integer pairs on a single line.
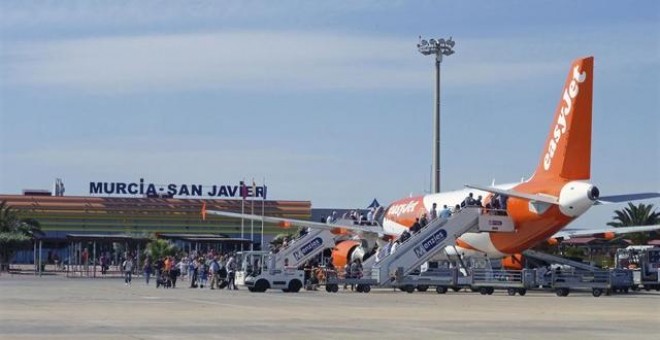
[[567, 150]]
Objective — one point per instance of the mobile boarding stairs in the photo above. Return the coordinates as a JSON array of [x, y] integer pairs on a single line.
[[282, 269], [394, 270]]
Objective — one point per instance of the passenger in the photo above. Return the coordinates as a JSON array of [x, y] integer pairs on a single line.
[[323, 219], [183, 267], [370, 216], [434, 211], [468, 201], [104, 264], [174, 274], [502, 202], [423, 221], [416, 227], [191, 272], [395, 244], [457, 208], [158, 267], [355, 270], [488, 209], [147, 269], [231, 273], [202, 273], [332, 218], [478, 201], [195, 274], [127, 267], [404, 236], [495, 204], [445, 213], [214, 268]]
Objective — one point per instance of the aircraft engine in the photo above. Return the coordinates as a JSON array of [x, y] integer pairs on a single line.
[[346, 252], [576, 197]]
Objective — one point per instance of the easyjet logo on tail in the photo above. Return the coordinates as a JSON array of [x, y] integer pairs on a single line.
[[570, 92]]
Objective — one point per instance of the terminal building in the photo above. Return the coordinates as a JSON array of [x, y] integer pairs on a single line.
[[132, 214], [92, 221]]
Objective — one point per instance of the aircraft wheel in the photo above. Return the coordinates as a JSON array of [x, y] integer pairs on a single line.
[[441, 289], [626, 290], [483, 290], [491, 290], [522, 291], [596, 292], [511, 291], [359, 288], [422, 288], [366, 288], [409, 288], [334, 288], [328, 289]]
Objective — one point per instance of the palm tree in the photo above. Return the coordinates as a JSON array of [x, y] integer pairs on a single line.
[[636, 215], [158, 249], [14, 233]]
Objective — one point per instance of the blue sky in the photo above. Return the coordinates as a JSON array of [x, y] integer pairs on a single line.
[[328, 101]]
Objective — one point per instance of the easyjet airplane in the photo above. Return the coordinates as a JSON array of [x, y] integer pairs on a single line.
[[557, 193]]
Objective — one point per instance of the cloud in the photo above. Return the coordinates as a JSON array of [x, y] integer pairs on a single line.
[[240, 60]]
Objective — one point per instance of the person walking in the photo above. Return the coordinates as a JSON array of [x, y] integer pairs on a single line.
[[147, 270], [127, 266]]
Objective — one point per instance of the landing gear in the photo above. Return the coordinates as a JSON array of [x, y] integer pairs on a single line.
[[409, 289], [441, 289], [596, 292], [562, 291], [422, 288]]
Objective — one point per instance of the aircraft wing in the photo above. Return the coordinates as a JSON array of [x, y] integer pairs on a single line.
[[512, 193], [564, 234], [298, 223], [554, 200]]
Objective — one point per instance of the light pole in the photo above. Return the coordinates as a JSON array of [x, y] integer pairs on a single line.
[[438, 48]]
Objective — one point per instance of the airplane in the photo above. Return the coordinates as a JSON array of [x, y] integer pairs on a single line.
[[540, 207]]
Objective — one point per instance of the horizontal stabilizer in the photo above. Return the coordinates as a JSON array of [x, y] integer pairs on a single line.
[[627, 198], [539, 198], [568, 233]]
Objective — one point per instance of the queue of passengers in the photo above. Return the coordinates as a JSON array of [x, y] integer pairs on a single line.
[[356, 216], [211, 270]]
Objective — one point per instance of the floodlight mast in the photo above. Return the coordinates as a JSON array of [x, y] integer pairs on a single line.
[[439, 48]]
